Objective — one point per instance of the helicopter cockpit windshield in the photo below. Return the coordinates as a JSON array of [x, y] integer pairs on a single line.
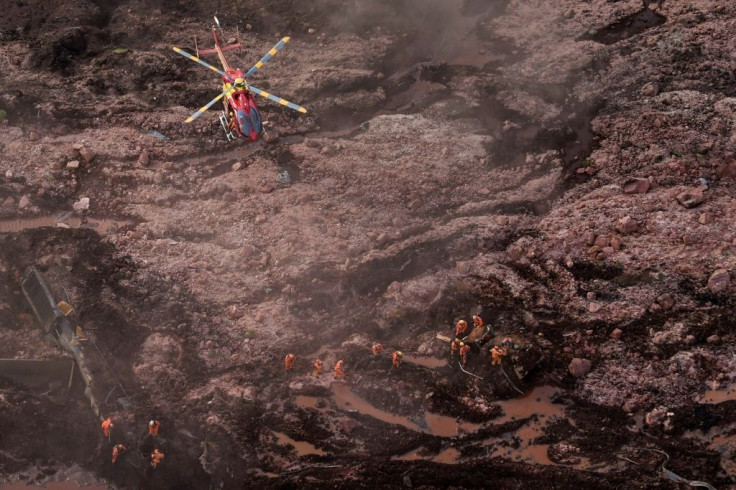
[[249, 122]]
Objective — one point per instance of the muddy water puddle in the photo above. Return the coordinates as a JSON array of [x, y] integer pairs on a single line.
[[446, 456], [537, 402], [714, 397], [444, 426], [346, 400], [517, 445], [64, 220], [437, 425], [302, 448], [428, 362], [721, 440], [303, 401]]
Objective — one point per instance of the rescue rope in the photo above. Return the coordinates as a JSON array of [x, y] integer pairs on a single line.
[[672, 475], [467, 372], [509, 380]]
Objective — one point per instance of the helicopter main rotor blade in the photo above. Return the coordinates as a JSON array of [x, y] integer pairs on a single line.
[[279, 100], [204, 108], [268, 56], [203, 63]]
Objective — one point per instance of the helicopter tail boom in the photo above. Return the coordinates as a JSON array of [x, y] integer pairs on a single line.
[[231, 47]]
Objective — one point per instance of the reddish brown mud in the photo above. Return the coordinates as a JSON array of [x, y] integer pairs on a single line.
[[565, 170]]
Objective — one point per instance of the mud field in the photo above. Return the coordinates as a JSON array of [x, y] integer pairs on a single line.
[[566, 170]]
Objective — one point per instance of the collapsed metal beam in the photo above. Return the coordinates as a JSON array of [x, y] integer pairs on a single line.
[[55, 323]]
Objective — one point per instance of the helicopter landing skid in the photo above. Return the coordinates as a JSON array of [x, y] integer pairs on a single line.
[[226, 127]]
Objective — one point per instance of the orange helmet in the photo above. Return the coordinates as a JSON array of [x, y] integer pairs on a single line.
[[462, 322]]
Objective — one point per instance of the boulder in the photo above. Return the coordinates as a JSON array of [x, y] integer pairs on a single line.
[[666, 301], [234, 313], [650, 89], [636, 186], [144, 159], [579, 367], [727, 170], [656, 416], [616, 334], [601, 241], [691, 197], [719, 281], [81, 205], [705, 218], [564, 453], [627, 225], [87, 154], [616, 243], [270, 137]]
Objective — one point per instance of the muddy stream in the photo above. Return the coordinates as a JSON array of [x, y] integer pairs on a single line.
[[64, 220]]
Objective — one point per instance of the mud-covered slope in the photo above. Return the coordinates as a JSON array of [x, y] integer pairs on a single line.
[[565, 170]]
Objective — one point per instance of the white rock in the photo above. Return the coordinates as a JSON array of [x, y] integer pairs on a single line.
[[81, 205]]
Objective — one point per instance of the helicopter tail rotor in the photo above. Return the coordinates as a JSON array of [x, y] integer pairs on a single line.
[[203, 63]]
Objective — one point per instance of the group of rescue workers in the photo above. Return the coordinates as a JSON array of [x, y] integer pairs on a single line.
[[118, 449], [457, 346], [317, 366]]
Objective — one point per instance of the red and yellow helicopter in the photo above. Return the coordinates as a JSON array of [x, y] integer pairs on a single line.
[[240, 116]]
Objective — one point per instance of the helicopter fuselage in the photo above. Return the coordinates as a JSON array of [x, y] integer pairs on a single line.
[[240, 109], [240, 115]]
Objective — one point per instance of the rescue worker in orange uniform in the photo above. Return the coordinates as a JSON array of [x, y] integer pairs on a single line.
[[455, 347], [461, 328], [106, 426], [376, 349], [496, 354], [396, 358], [317, 367], [156, 458], [153, 426], [289, 361], [464, 350], [117, 450], [477, 321], [340, 369]]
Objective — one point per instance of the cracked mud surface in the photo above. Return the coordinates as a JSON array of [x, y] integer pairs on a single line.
[[565, 170]]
